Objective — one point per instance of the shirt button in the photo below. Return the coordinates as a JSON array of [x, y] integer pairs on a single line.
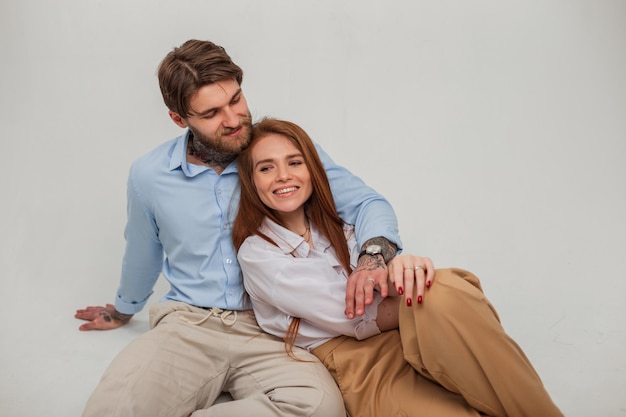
[[229, 261]]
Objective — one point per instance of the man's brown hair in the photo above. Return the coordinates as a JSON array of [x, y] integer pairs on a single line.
[[190, 67]]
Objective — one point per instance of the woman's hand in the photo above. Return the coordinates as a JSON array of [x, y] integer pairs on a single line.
[[407, 271]]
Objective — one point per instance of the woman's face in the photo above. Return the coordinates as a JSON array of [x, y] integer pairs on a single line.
[[280, 175]]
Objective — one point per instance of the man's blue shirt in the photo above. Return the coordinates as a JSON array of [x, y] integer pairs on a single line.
[[179, 224]]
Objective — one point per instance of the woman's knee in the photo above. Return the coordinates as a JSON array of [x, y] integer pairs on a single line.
[[453, 275]]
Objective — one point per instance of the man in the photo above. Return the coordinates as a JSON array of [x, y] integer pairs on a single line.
[[204, 339]]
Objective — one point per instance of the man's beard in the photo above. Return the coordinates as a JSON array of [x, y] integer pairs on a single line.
[[221, 150]]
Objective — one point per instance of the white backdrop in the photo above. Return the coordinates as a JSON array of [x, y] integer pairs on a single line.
[[497, 129]]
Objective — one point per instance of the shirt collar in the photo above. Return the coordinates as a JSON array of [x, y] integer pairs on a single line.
[[290, 242], [178, 159]]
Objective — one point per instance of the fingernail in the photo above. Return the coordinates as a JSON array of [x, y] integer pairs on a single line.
[[427, 284], [400, 290], [419, 299], [409, 303]]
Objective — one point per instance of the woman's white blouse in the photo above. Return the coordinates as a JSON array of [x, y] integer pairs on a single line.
[[294, 280]]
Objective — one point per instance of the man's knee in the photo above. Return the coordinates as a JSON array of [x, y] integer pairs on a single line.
[[331, 404], [318, 397], [313, 401]]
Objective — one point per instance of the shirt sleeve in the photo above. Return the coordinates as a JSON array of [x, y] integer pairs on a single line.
[[143, 256], [360, 205], [308, 288]]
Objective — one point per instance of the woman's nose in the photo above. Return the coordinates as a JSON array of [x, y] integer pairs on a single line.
[[282, 173]]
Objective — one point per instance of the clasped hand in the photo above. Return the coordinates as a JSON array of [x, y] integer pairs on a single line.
[[400, 276]]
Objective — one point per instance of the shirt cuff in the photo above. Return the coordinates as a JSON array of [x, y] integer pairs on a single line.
[[126, 307], [368, 327]]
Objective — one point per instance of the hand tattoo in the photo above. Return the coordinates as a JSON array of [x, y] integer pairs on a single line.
[[109, 315], [370, 263], [105, 316]]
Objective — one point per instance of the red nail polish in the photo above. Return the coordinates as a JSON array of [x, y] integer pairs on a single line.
[[400, 290], [419, 299], [427, 284], [409, 303]]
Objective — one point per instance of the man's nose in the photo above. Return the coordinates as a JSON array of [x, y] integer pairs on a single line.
[[231, 118]]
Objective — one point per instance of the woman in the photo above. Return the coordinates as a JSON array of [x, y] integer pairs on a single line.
[[450, 356]]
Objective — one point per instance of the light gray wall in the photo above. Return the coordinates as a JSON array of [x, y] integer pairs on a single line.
[[497, 129]]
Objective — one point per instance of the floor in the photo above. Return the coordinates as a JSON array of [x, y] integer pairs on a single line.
[[497, 130]]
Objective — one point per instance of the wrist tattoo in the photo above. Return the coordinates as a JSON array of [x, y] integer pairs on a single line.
[[389, 249], [121, 316], [370, 263]]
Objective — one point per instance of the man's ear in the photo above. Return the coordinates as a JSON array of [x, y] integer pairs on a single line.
[[176, 118]]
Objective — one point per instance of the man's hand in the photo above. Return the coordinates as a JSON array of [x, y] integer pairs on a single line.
[[371, 272], [102, 318]]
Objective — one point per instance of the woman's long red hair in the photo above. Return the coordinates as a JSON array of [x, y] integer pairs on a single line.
[[320, 207]]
